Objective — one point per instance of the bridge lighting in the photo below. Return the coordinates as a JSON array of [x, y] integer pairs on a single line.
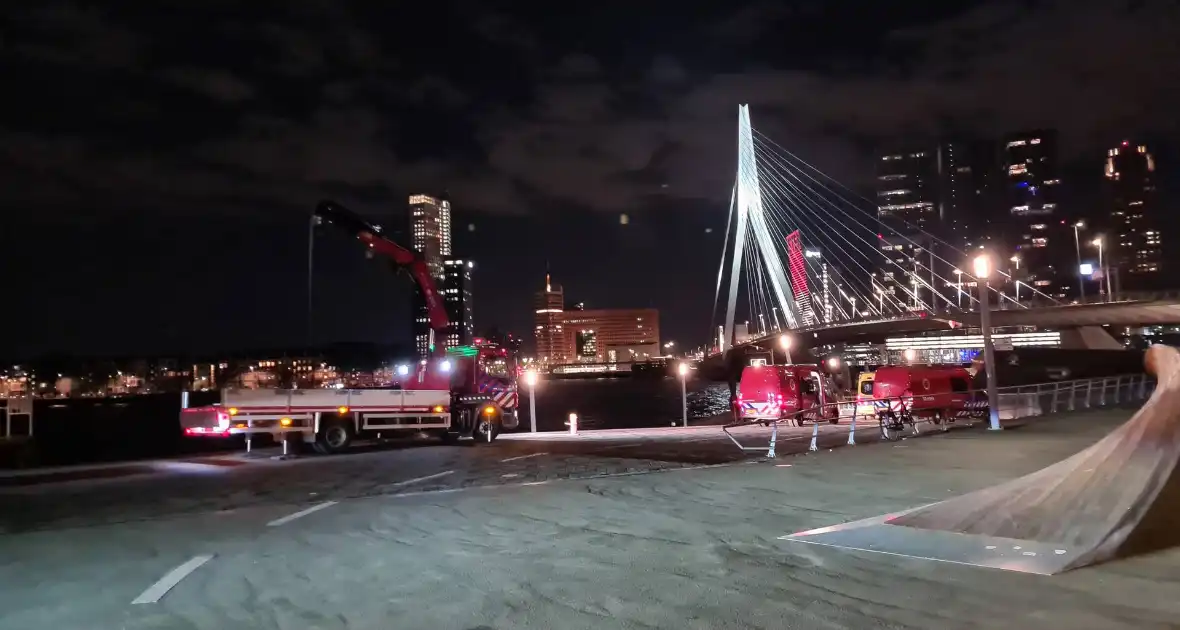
[[1097, 242], [834, 362], [530, 378], [682, 369], [785, 342], [445, 365], [403, 370], [983, 266], [910, 354], [1081, 225]]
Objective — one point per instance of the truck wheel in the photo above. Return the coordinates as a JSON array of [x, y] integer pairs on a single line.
[[486, 431], [334, 437]]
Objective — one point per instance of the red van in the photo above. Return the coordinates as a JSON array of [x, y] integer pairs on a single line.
[[903, 393], [778, 392]]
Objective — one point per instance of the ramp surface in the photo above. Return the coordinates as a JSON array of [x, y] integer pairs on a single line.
[[1117, 498]]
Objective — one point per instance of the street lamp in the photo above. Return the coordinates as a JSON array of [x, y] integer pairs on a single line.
[[1016, 259], [1078, 245], [983, 269], [683, 370], [785, 342], [1105, 294], [959, 285], [530, 379]]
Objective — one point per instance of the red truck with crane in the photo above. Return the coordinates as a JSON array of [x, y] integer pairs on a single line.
[[456, 392]]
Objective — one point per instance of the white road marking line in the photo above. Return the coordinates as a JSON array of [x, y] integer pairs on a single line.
[[171, 579], [300, 514], [526, 484], [407, 482], [512, 459]]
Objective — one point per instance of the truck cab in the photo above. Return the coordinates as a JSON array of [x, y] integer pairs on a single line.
[[802, 393]]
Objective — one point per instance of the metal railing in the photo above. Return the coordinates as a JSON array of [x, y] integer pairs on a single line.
[[1020, 401], [16, 418]]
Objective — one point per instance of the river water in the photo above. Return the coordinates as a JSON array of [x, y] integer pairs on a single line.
[[617, 403]]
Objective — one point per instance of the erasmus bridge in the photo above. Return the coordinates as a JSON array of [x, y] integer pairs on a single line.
[[805, 255]]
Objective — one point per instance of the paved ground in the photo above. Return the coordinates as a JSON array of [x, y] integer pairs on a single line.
[[532, 533]]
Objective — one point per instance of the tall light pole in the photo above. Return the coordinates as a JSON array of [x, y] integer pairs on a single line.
[[1078, 245], [983, 269], [785, 342], [1016, 259], [683, 370], [959, 285], [530, 379], [1104, 294]]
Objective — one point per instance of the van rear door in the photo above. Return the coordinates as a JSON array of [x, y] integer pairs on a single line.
[[760, 392]]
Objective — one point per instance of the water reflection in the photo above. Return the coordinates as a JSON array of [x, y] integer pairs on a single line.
[[621, 402]]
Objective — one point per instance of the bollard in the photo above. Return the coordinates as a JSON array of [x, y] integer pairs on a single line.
[[573, 424], [852, 429], [285, 443], [1143, 387], [249, 434], [773, 439], [814, 435], [1089, 389]]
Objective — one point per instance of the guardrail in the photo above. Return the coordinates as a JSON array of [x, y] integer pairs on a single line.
[[16, 418], [1021, 401]]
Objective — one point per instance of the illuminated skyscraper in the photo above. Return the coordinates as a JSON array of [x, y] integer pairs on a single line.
[[430, 231], [907, 208], [1135, 244], [549, 307], [1034, 231], [456, 294]]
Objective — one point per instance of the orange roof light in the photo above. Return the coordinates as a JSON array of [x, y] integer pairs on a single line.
[[342, 410], [233, 411]]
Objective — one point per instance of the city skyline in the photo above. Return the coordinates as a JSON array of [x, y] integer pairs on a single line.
[[169, 213]]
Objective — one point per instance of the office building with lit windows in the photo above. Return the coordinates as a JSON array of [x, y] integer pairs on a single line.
[[1135, 250], [456, 295], [430, 236], [549, 306], [580, 335], [611, 335], [907, 210], [1041, 249]]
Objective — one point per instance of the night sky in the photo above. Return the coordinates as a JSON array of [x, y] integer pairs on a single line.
[[160, 160]]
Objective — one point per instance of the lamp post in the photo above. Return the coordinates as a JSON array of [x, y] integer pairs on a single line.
[[785, 342], [1078, 246], [683, 370], [1016, 259], [959, 285], [983, 269], [530, 379], [1101, 292]]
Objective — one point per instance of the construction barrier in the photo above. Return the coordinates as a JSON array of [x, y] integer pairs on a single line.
[[893, 416]]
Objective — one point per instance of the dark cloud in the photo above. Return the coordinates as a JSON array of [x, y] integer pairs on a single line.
[[513, 115], [218, 85]]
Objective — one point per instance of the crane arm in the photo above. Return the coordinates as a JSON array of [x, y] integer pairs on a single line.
[[402, 257]]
